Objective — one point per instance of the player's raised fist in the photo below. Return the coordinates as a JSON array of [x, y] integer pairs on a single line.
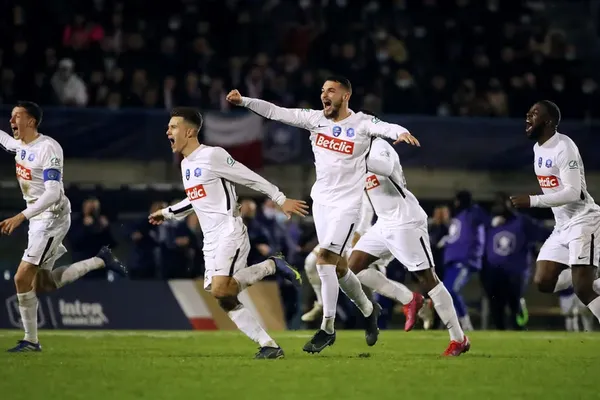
[[234, 97], [522, 201], [298, 207], [156, 218]]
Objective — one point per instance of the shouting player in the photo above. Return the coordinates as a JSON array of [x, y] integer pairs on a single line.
[[401, 231], [39, 161], [575, 240], [340, 141], [208, 177]]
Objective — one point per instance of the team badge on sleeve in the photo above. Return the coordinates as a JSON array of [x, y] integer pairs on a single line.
[[230, 161]]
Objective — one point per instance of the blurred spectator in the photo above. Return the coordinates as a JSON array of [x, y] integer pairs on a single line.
[[89, 233], [272, 219], [177, 245], [393, 52], [259, 242], [143, 259], [195, 250], [68, 87]]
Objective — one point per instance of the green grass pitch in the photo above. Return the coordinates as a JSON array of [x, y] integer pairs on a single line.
[[94, 365]]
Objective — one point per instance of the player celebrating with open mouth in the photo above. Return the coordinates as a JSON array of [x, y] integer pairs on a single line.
[[340, 140]]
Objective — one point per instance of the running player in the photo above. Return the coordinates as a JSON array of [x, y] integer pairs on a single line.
[[208, 175], [574, 242], [401, 231], [39, 160], [340, 141]]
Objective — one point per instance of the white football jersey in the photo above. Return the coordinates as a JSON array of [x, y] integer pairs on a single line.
[[209, 174], [36, 163], [340, 148], [386, 188], [560, 173]]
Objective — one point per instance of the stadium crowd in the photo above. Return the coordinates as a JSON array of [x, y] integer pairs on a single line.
[[456, 57]]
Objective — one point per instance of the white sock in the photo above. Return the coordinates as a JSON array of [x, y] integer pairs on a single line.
[[352, 288], [330, 289], [28, 305], [246, 323], [310, 267], [254, 273], [377, 281], [443, 304], [596, 286], [594, 307], [70, 273], [564, 281]]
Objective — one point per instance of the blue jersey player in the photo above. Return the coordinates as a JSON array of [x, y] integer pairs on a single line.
[[510, 241], [464, 250]]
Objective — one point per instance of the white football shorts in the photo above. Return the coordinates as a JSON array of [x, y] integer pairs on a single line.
[[230, 255], [335, 226], [45, 239], [409, 245], [577, 245]]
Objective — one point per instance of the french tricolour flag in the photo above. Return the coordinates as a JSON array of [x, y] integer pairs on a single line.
[[240, 133]]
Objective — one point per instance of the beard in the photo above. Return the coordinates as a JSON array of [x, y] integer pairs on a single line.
[[334, 111], [536, 132]]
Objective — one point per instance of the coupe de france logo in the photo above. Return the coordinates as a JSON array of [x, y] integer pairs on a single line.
[[504, 243]]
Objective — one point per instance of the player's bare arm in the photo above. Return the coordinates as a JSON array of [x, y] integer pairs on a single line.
[[407, 138], [521, 201], [10, 224]]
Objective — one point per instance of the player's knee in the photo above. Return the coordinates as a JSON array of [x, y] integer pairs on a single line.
[[327, 257], [544, 283], [228, 303], [427, 279], [341, 270], [223, 287], [24, 277]]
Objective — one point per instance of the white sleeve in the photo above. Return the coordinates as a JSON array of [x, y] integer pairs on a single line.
[[380, 160], [378, 128], [366, 216], [52, 169], [50, 196], [178, 211], [7, 142], [298, 117], [223, 165], [568, 165]]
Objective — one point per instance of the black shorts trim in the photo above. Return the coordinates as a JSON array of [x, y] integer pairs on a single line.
[[232, 266], [422, 241], [347, 238], [46, 249]]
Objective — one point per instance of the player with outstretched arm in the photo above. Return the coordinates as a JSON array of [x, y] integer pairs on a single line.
[[209, 174]]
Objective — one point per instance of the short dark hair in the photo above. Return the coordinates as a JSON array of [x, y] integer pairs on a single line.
[[33, 110], [189, 114], [343, 81], [552, 110]]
